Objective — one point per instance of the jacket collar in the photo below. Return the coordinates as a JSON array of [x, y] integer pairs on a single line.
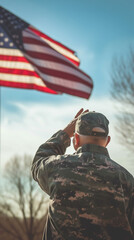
[[93, 149]]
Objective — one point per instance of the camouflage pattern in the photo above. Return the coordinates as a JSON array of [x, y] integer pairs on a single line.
[[89, 120], [91, 196]]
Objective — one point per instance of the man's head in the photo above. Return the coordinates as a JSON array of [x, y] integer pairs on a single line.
[[91, 127]]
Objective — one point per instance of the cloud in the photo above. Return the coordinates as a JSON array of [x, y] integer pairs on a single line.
[[33, 123]]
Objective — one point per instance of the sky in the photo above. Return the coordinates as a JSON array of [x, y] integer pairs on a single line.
[[98, 30]]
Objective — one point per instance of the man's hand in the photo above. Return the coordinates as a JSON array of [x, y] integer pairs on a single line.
[[70, 128]]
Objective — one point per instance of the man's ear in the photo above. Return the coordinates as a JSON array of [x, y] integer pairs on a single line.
[[108, 140], [76, 141]]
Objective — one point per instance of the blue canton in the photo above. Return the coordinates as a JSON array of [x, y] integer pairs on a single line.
[[11, 28]]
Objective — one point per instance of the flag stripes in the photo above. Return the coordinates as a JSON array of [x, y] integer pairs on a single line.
[[25, 85], [19, 72], [23, 77], [68, 53], [63, 69], [40, 45], [62, 73], [31, 59]]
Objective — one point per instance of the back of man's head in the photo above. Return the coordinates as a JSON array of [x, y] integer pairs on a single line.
[[92, 127]]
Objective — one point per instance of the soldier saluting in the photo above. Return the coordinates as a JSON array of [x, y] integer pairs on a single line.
[[91, 196]]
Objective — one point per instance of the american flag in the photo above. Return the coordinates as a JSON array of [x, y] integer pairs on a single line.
[[31, 59]]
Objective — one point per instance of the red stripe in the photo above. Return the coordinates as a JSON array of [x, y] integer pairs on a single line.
[[26, 86], [62, 75], [43, 70], [73, 61], [48, 57], [55, 59], [50, 39], [49, 72], [54, 86], [64, 62], [45, 89], [41, 56], [39, 42], [74, 92], [13, 58], [54, 73], [42, 43], [19, 72]]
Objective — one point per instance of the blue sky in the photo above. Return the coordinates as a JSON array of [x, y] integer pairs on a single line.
[[97, 30]]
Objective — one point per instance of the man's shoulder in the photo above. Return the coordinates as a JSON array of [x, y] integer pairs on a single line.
[[124, 174]]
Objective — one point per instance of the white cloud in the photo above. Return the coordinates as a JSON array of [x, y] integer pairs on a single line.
[[23, 131]]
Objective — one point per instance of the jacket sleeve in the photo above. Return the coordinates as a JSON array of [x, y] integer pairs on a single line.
[[50, 150], [132, 210]]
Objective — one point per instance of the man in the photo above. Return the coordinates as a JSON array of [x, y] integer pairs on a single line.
[[91, 196]]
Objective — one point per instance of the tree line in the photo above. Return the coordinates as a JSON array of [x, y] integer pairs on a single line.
[[23, 207]]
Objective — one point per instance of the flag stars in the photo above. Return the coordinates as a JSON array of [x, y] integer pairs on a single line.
[[6, 39], [12, 27], [11, 44], [1, 34]]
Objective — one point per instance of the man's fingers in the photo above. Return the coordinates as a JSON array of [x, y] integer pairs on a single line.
[[78, 113], [86, 111], [70, 128]]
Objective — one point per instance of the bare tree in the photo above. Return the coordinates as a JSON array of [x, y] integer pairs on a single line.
[[123, 94], [22, 205]]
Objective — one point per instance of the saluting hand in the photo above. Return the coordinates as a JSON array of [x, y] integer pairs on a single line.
[[70, 128]]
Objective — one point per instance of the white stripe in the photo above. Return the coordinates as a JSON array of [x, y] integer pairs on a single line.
[[11, 52], [47, 64], [38, 81], [42, 49], [29, 33], [61, 50], [22, 79], [57, 66], [45, 50], [17, 65], [63, 82]]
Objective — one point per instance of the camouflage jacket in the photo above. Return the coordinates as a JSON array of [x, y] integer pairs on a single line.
[[91, 196]]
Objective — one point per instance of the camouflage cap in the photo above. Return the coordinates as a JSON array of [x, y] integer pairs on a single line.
[[89, 120]]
